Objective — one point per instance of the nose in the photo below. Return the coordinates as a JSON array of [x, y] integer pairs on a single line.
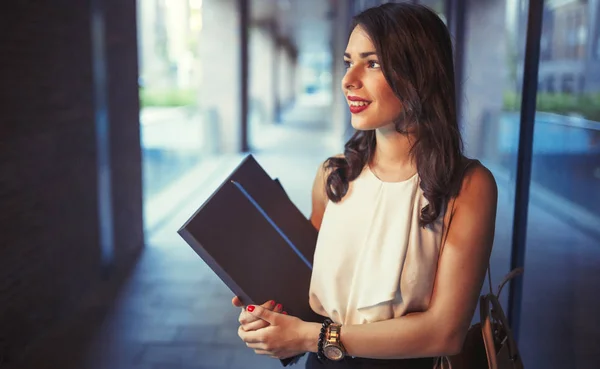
[[351, 80]]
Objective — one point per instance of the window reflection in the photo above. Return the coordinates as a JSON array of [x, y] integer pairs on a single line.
[[490, 109], [172, 135], [562, 245]]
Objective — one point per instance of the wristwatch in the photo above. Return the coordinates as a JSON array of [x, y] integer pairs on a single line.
[[332, 347]]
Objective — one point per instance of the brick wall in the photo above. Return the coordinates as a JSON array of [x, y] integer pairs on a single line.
[[49, 248]]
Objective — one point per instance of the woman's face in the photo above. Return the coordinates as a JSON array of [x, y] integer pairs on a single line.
[[372, 102]]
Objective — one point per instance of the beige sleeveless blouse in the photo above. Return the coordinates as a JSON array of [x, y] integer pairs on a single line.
[[373, 261]]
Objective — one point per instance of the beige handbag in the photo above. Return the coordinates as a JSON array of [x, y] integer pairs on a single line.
[[500, 346], [489, 344]]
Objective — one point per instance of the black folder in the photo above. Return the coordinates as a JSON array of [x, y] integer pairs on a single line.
[[256, 240]]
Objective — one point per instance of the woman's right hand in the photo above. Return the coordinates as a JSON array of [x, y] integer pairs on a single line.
[[251, 323]]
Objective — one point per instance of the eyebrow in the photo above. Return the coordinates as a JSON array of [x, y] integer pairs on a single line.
[[362, 55]]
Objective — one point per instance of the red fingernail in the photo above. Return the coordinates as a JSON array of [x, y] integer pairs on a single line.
[[285, 312], [250, 308], [272, 303], [278, 306]]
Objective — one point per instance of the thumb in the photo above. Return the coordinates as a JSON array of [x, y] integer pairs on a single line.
[[262, 313]]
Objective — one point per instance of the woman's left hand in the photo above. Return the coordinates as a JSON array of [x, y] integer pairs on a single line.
[[285, 337]]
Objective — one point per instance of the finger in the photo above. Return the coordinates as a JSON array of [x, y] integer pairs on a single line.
[[255, 325], [251, 337], [243, 335], [278, 308], [263, 352], [246, 318], [236, 302], [262, 313], [258, 347], [270, 305], [267, 305]]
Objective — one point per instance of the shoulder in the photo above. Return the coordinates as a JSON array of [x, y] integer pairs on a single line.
[[478, 184], [319, 191], [476, 201], [320, 182]]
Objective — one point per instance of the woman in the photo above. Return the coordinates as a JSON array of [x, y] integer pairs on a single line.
[[399, 282]]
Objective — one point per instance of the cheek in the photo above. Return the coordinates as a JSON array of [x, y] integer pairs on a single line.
[[388, 103]]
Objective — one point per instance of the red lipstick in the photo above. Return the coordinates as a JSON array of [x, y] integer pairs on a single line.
[[355, 109]]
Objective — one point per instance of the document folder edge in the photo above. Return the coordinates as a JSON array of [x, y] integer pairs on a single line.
[[191, 217], [216, 267]]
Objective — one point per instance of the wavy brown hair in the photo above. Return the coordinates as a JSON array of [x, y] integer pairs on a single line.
[[415, 54]]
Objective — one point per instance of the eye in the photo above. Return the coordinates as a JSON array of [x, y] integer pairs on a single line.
[[347, 64], [373, 64]]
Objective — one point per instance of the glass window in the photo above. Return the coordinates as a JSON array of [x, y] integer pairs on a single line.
[[559, 319], [169, 93], [436, 5], [491, 96]]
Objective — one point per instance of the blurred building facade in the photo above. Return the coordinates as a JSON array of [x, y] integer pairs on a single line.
[[570, 48]]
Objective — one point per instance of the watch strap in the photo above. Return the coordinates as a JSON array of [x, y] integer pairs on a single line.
[[333, 338], [322, 336]]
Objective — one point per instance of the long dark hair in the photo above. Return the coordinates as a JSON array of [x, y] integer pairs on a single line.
[[415, 54]]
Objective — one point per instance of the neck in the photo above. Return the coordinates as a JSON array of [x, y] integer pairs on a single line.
[[392, 152]]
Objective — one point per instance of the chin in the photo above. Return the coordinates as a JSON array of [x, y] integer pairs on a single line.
[[363, 124]]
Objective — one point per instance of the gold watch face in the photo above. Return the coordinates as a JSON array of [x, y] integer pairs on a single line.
[[333, 353]]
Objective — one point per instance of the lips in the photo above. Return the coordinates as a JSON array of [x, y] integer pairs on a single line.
[[357, 104], [358, 109]]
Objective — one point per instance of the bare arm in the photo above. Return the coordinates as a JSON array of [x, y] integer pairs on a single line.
[[442, 328], [319, 197]]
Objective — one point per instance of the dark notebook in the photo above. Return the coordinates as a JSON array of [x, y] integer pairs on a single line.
[[256, 240]]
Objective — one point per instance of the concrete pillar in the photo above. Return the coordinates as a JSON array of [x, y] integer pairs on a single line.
[[486, 69], [219, 90], [340, 115], [124, 141], [153, 70], [294, 77], [286, 78], [262, 64]]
